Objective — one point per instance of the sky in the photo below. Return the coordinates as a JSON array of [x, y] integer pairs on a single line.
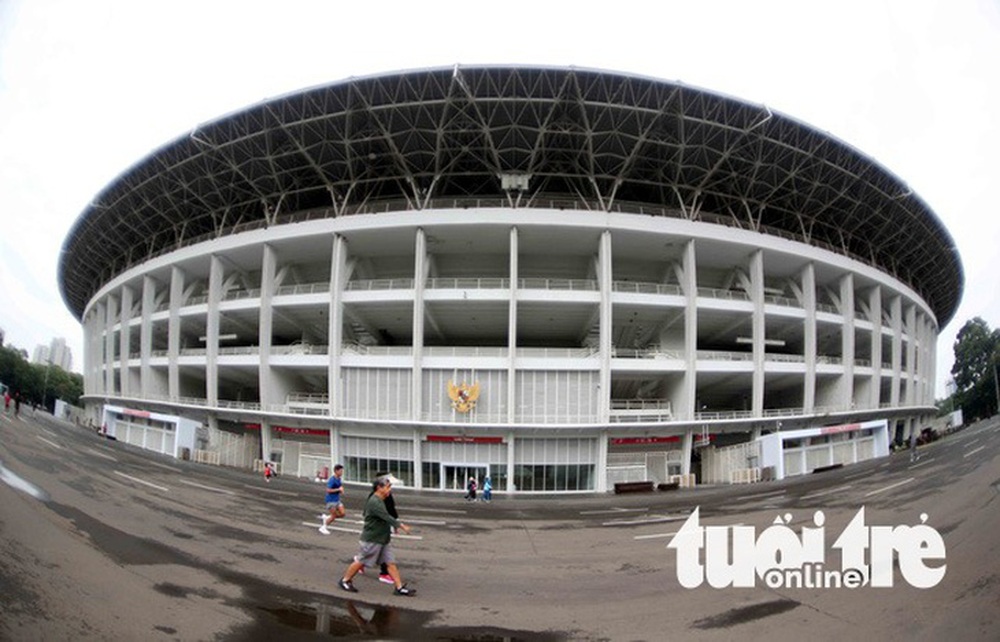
[[87, 89]]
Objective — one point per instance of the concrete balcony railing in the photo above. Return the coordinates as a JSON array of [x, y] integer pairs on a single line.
[[302, 288]]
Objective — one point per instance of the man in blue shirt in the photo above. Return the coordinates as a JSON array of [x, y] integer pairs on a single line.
[[334, 498]]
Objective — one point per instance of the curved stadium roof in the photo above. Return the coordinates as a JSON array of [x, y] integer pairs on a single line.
[[433, 138]]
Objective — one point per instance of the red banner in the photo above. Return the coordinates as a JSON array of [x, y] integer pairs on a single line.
[[292, 431], [835, 429]]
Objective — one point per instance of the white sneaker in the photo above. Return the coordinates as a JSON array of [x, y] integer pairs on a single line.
[[323, 529]]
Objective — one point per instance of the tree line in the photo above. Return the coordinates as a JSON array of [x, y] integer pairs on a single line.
[[977, 361], [38, 383]]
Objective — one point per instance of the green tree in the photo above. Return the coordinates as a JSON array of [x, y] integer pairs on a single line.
[[977, 359], [38, 383]]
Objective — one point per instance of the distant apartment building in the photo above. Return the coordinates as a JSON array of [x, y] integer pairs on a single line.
[[57, 353]]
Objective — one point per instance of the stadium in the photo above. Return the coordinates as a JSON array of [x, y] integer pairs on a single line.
[[562, 278]]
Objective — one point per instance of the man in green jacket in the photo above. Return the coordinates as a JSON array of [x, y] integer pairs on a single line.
[[375, 536]]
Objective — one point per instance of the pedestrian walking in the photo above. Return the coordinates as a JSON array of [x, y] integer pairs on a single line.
[[376, 535], [6, 401], [913, 446], [390, 507], [268, 471], [334, 499], [487, 489], [470, 490]]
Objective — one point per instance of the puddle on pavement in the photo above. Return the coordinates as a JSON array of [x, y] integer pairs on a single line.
[[356, 620]]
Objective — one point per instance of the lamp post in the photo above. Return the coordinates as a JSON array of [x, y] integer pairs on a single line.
[[996, 385], [45, 386]]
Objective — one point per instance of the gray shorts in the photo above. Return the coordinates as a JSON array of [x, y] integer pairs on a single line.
[[333, 505], [371, 554]]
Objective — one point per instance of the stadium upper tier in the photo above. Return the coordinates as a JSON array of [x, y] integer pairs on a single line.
[[518, 137]]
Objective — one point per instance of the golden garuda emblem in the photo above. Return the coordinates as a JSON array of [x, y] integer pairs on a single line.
[[463, 396]]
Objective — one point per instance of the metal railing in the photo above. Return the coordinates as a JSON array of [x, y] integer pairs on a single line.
[[300, 348], [380, 284], [641, 405], [468, 283], [302, 288], [622, 410], [645, 353], [724, 355], [639, 287], [715, 293], [307, 397]]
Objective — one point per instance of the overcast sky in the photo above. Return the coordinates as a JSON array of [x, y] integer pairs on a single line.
[[89, 88]]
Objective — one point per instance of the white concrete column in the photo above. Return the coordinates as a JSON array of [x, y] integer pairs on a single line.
[[911, 355], [847, 339], [266, 440], [896, 317], [687, 449], [338, 281], [759, 329], [174, 332], [334, 446], [927, 345], [146, 335], [216, 275], [512, 329], [110, 317], [511, 445], [875, 305], [265, 327], [689, 285], [88, 352], [810, 341], [125, 339], [420, 267], [601, 468], [604, 283], [418, 459], [932, 337], [100, 348]]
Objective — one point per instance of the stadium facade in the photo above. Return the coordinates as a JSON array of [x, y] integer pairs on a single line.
[[561, 277]]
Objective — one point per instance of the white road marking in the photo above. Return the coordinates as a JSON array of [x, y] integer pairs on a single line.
[[141, 481], [357, 531], [435, 510], [655, 535], [856, 476], [973, 452], [761, 496], [972, 441], [614, 510], [313, 525], [921, 463], [826, 492], [654, 519], [171, 468], [672, 533], [100, 454], [271, 490], [426, 522], [890, 487], [51, 443], [211, 488]]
